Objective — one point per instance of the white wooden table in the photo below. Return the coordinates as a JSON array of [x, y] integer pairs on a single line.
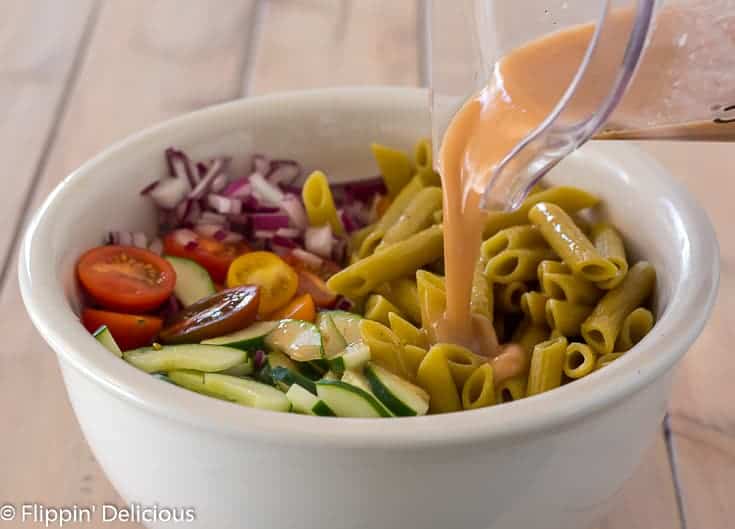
[[76, 75]]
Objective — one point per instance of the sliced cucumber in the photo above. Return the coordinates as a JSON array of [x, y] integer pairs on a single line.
[[251, 338], [192, 280], [191, 380], [282, 372], [346, 400], [334, 343], [354, 357], [399, 395], [330, 375], [240, 370], [275, 359], [357, 379], [299, 340], [104, 336], [246, 391], [304, 402], [209, 358], [348, 325]]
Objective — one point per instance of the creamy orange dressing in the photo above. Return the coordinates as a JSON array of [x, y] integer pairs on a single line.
[[526, 86]]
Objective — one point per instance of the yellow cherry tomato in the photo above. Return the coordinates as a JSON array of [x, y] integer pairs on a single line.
[[277, 280]]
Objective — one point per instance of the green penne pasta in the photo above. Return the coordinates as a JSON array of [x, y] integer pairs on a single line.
[[529, 334], [479, 390], [385, 347], [533, 306], [423, 155], [556, 333], [518, 264], [395, 261], [411, 357], [482, 300], [509, 295], [566, 317], [606, 359], [418, 215], [601, 329], [558, 282], [570, 243], [524, 236], [357, 237], [609, 243], [499, 326], [635, 326], [403, 293], [461, 361], [377, 308], [547, 364], [434, 377], [511, 389], [438, 216], [579, 360], [570, 199], [406, 332], [319, 203], [432, 300], [395, 166]]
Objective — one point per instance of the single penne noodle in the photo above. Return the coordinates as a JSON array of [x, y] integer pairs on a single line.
[[482, 300], [479, 389], [423, 155], [558, 282], [395, 166], [512, 361], [520, 264], [570, 199], [610, 244], [509, 295], [407, 333], [390, 217], [570, 243], [403, 293], [524, 236], [551, 267], [579, 360], [418, 215], [359, 236], [511, 389], [432, 300], [377, 308], [547, 365], [462, 362], [533, 306], [434, 377], [384, 345], [319, 203], [635, 326], [556, 333], [395, 261], [601, 328], [529, 334], [606, 359], [411, 358], [566, 317]]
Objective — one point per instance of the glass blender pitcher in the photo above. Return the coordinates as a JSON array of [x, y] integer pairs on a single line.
[[642, 69]]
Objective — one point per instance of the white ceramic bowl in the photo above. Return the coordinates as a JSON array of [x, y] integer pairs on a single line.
[[551, 461]]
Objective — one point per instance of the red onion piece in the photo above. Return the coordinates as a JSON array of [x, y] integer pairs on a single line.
[[258, 359], [264, 234], [289, 233], [294, 208], [207, 217], [212, 231], [364, 189], [169, 193], [269, 221], [347, 221], [219, 183], [291, 189], [185, 237], [285, 242], [224, 205], [259, 163], [240, 218], [205, 183], [308, 258], [344, 304], [231, 238], [239, 188], [319, 240], [264, 190], [181, 167], [283, 172], [150, 187], [156, 246], [339, 250]]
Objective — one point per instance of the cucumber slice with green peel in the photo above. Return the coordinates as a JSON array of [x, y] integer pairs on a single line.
[[209, 358], [282, 372], [193, 282], [251, 338], [299, 340], [346, 400], [104, 336], [311, 371], [276, 359], [330, 375], [358, 380], [398, 395], [246, 391], [191, 380], [304, 402], [354, 357], [240, 370], [348, 325], [334, 343]]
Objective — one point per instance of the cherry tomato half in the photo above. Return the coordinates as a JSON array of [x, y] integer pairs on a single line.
[[313, 285], [277, 280], [299, 308], [213, 255], [126, 279], [129, 330], [221, 313]]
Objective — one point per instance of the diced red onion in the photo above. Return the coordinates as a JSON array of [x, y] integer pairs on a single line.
[[213, 231], [264, 234], [308, 258], [170, 192], [201, 169], [347, 221], [339, 250], [185, 237], [205, 183], [269, 221], [224, 205], [283, 172], [259, 164], [231, 238], [289, 233], [266, 191], [294, 208], [240, 218], [156, 246], [191, 245], [291, 189], [180, 166], [239, 188], [208, 217], [189, 212], [150, 187], [319, 240], [364, 189], [258, 359], [285, 242], [252, 204], [219, 183], [344, 304]]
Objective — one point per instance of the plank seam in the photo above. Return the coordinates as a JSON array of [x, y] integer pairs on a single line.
[[58, 116], [674, 466], [252, 45]]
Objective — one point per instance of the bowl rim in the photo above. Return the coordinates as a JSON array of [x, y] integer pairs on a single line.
[[691, 300]]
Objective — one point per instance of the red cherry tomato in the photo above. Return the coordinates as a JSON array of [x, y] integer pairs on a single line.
[[129, 330], [213, 255]]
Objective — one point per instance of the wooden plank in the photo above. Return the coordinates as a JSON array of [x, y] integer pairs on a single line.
[[39, 40], [147, 61], [318, 43], [702, 413]]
